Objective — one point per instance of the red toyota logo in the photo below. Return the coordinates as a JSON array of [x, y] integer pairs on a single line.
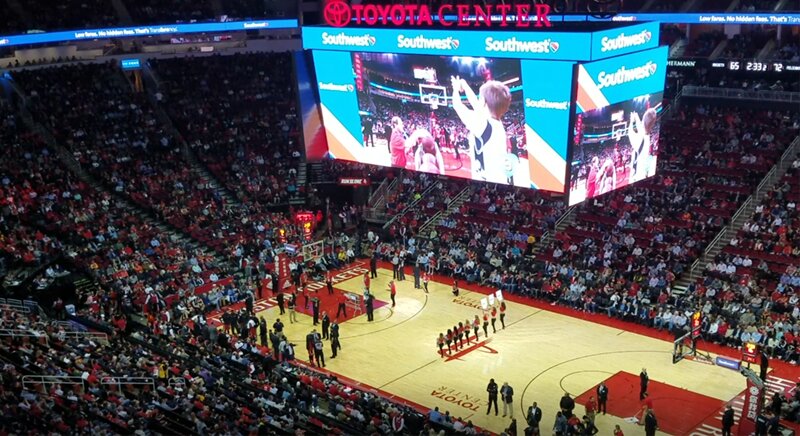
[[337, 13]]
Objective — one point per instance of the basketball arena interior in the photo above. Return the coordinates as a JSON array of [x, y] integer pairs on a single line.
[[421, 217]]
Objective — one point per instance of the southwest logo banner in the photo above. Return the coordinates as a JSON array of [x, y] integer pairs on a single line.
[[547, 111], [526, 45], [610, 81], [620, 41]]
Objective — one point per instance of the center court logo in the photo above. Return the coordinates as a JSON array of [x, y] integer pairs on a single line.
[[545, 104], [323, 86], [624, 75], [624, 41], [420, 41], [345, 39], [513, 45]]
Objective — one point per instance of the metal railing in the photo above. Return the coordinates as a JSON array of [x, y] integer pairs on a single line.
[[741, 94], [94, 336], [136, 381], [45, 380], [379, 193], [23, 333], [22, 306], [767, 181], [463, 194], [411, 205]]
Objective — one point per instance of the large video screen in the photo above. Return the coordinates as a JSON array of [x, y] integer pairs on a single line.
[[615, 146], [460, 116], [616, 126], [445, 115]]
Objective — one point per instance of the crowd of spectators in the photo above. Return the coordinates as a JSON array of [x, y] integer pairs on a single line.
[[238, 115], [704, 44], [135, 156], [747, 45]]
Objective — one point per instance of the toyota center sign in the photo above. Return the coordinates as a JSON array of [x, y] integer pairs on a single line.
[[339, 13]]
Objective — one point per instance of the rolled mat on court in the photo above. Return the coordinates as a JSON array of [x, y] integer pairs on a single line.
[[678, 411]]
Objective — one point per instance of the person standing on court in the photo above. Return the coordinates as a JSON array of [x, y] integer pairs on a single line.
[[650, 423], [392, 291], [476, 323], [455, 288], [507, 395], [395, 266], [335, 344], [485, 324], [727, 420], [342, 300], [503, 314], [534, 416], [326, 325], [764, 366], [315, 309], [494, 318], [373, 265], [262, 330], [591, 408], [329, 282], [602, 397], [491, 388], [292, 308], [366, 281], [567, 405], [368, 302], [467, 328], [644, 379], [401, 267], [425, 279], [319, 354], [416, 275], [440, 343], [280, 301]]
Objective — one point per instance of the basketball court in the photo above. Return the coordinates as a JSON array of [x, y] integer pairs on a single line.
[[543, 352]]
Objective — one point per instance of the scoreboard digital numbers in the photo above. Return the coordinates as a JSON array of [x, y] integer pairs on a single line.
[[756, 66]]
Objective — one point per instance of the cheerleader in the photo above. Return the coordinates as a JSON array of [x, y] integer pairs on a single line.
[[461, 333], [476, 325], [466, 329], [485, 323], [503, 314], [448, 339], [455, 289], [440, 343], [425, 278], [494, 318]]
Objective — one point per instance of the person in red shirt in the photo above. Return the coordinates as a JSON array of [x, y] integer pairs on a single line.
[[591, 408], [618, 431], [494, 318], [440, 343], [466, 329], [425, 279], [647, 405], [366, 280], [485, 323], [476, 326], [397, 144], [503, 314], [392, 291]]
